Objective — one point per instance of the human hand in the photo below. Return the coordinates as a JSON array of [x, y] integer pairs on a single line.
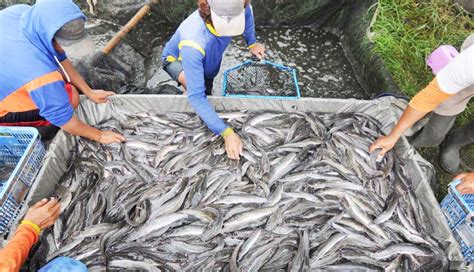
[[258, 50], [233, 146], [467, 183], [109, 137], [99, 96], [44, 213], [385, 143]]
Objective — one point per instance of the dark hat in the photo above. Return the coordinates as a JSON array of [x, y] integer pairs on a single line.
[[71, 32]]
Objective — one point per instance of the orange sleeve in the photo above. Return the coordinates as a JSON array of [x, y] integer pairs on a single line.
[[15, 253], [429, 98]]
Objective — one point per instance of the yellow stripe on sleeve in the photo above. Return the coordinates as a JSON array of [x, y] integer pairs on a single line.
[[31, 224], [192, 44], [170, 58], [42, 81], [212, 29], [228, 131]]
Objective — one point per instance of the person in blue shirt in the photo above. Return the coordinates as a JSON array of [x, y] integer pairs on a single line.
[[193, 57], [38, 84]]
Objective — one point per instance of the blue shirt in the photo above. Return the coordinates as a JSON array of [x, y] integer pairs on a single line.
[[29, 69], [200, 49]]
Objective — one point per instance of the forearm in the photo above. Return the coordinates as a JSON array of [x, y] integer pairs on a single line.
[[78, 128], [207, 113], [194, 71], [423, 103], [15, 253], [249, 33], [409, 117], [76, 78]]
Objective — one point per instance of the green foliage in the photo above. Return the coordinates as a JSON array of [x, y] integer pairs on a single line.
[[466, 116], [407, 31]]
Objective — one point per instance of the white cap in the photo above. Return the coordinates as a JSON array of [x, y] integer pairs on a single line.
[[228, 16]]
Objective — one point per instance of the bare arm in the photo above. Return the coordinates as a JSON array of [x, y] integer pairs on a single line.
[[424, 102], [79, 128], [76, 78], [409, 117], [386, 143], [98, 96], [456, 76]]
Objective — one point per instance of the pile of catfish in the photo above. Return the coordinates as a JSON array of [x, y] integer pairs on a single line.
[[305, 195]]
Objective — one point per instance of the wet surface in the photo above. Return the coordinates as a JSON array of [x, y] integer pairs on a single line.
[[318, 56], [323, 69]]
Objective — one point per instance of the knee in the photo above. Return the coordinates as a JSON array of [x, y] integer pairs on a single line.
[[182, 79], [74, 97]]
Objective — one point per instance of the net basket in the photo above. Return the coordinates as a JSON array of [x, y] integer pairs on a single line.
[[262, 79]]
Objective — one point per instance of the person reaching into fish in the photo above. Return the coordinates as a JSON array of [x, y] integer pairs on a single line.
[[193, 57], [38, 84], [40, 216], [447, 95]]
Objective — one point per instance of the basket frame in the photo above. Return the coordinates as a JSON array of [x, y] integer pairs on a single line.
[[250, 62], [23, 175], [455, 205]]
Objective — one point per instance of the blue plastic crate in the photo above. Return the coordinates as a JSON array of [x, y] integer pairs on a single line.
[[21, 150], [459, 211], [237, 80]]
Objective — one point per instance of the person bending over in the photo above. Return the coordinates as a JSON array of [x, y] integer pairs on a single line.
[[193, 57], [38, 84]]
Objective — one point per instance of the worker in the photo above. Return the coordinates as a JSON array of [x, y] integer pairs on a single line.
[[40, 216], [467, 183], [38, 84], [193, 57], [447, 95]]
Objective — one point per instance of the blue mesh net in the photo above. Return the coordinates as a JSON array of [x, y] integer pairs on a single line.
[[261, 79]]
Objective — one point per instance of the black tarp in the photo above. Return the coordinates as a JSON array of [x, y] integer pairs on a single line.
[[125, 70]]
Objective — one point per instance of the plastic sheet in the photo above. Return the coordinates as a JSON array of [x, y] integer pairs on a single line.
[[56, 161]]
